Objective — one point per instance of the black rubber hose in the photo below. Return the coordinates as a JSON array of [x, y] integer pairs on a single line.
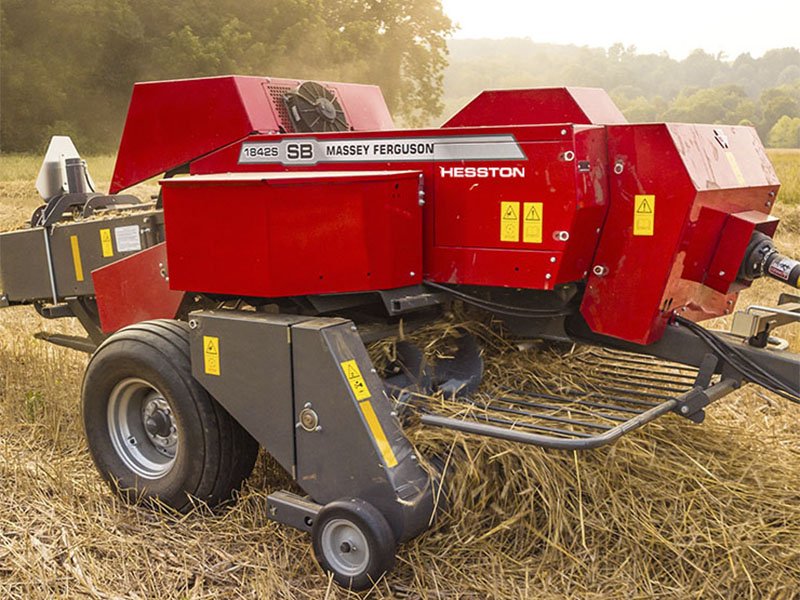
[[748, 369]]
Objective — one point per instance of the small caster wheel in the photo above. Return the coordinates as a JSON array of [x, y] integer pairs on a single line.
[[353, 541]]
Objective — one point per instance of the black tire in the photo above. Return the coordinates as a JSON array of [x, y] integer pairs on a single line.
[[147, 367], [351, 523]]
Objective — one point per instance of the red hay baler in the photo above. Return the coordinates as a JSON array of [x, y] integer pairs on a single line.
[[294, 225]]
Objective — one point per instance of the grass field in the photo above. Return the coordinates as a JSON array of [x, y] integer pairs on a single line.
[[673, 511]]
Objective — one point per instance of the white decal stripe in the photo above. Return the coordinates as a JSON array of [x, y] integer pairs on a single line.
[[310, 151]]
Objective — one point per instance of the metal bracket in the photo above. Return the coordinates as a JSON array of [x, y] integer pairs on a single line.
[[54, 311], [292, 510], [757, 322], [67, 341], [692, 404], [407, 299]]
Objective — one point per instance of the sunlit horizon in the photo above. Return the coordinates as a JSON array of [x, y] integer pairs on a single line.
[[677, 28]]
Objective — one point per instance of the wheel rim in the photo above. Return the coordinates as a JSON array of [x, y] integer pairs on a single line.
[[143, 429], [345, 547]]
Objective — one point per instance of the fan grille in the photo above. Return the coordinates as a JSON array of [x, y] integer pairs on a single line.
[[276, 93]]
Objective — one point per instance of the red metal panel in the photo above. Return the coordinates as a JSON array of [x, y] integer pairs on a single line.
[[470, 215], [170, 123], [734, 239], [591, 203], [568, 204], [135, 289], [463, 198], [699, 175], [281, 234], [575, 105]]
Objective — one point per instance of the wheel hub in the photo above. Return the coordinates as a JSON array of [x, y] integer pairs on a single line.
[[142, 428], [159, 423], [345, 547]]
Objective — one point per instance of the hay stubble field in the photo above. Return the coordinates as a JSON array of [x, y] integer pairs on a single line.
[[673, 511]]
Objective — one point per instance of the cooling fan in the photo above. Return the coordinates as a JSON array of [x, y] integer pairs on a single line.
[[313, 107]]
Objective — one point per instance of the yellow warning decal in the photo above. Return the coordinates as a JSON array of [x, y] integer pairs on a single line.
[[211, 354], [76, 257], [509, 221], [644, 214], [532, 222], [105, 243], [356, 381], [362, 394], [384, 447], [737, 172]]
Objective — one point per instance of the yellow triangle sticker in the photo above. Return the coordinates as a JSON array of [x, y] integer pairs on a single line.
[[533, 214], [644, 215]]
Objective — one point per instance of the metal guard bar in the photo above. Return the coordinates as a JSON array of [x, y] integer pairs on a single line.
[[713, 393]]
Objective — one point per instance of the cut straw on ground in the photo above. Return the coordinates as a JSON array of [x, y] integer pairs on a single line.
[[675, 510]]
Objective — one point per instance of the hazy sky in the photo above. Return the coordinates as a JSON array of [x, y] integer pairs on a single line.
[[675, 26]]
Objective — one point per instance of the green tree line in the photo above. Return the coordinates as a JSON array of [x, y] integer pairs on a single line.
[[68, 66], [763, 92]]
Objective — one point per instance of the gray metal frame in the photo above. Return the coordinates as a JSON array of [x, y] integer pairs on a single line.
[[37, 264], [283, 378]]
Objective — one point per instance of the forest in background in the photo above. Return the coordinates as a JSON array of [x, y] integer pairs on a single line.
[[67, 67], [763, 92]]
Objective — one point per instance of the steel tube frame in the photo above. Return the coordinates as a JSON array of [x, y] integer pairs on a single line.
[[713, 393]]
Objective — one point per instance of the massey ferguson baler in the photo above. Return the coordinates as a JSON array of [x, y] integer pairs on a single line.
[[294, 224]]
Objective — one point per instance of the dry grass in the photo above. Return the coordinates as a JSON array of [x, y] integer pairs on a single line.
[[673, 511]]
